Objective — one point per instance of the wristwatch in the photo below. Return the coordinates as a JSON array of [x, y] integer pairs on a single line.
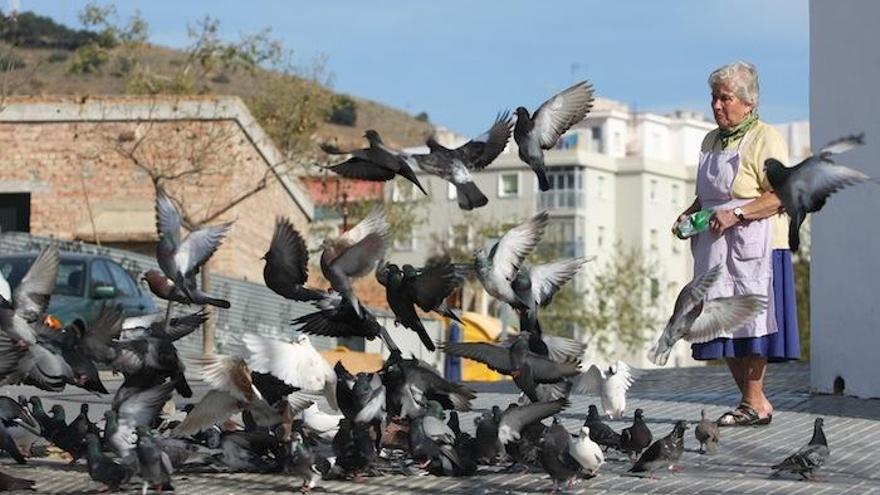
[[739, 214]]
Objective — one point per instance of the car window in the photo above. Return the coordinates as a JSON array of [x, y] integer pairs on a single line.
[[100, 275], [124, 285], [70, 280]]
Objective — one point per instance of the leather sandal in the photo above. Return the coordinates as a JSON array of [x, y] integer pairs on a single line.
[[743, 415]]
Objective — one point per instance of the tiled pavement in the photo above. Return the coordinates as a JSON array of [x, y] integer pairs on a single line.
[[741, 466]]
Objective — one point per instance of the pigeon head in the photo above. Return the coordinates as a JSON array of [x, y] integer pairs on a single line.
[[593, 412], [36, 402], [84, 409], [639, 414], [109, 415], [373, 136], [409, 270], [155, 279], [522, 112], [819, 423], [433, 408], [57, 411], [585, 432], [680, 427]]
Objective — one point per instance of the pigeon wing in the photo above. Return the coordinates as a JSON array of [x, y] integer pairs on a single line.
[[519, 242], [289, 255], [561, 112], [479, 152], [548, 278], [495, 357], [199, 246], [723, 315], [31, 296], [589, 382]]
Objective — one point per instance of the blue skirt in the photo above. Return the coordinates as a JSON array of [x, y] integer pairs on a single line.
[[782, 345]]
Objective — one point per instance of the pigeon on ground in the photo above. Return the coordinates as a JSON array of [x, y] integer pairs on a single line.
[[805, 187], [527, 368], [697, 320], [526, 450], [456, 165], [154, 465], [355, 451], [664, 453], [302, 463], [587, 453], [707, 433], [496, 266], [600, 432], [611, 386], [379, 162], [410, 383], [636, 438], [287, 264], [556, 456], [104, 469], [181, 259], [540, 131], [355, 254], [426, 288], [13, 414], [809, 458]]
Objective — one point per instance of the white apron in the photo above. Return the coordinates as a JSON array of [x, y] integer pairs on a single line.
[[745, 250]]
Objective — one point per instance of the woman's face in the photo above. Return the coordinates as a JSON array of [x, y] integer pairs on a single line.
[[728, 109]]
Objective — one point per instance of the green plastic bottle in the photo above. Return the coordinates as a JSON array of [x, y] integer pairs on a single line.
[[695, 223]]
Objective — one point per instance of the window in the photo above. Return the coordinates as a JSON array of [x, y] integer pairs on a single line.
[[675, 195], [567, 141], [560, 237], [654, 239], [600, 185], [100, 275], [407, 243], [404, 191], [451, 191], [122, 280], [566, 189], [508, 185], [652, 192], [655, 289], [460, 236], [596, 139], [600, 236]]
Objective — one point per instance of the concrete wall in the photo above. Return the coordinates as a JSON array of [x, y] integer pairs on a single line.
[[844, 77]]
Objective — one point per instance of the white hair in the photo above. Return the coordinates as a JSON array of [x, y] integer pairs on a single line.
[[741, 77]]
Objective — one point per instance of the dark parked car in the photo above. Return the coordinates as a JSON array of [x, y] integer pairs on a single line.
[[85, 283]]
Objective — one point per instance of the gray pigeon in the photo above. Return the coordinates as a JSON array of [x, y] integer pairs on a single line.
[[154, 464], [496, 266], [697, 320], [805, 187], [541, 130], [556, 456], [355, 254], [104, 469], [181, 260], [30, 299], [378, 162], [287, 264], [708, 434], [456, 165], [526, 367], [664, 453], [808, 458]]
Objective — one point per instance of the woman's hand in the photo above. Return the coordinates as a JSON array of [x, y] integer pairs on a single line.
[[722, 220], [674, 225]]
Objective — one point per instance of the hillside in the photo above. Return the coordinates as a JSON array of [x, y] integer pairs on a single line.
[[45, 71]]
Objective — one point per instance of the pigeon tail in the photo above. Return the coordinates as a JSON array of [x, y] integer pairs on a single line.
[[543, 182], [181, 385], [425, 338], [470, 196]]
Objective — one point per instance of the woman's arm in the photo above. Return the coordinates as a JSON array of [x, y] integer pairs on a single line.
[[765, 205]]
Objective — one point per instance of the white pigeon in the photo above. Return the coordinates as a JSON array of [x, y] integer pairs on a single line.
[[611, 386], [586, 452], [296, 363], [325, 425]]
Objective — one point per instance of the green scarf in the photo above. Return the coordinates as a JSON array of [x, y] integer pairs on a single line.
[[734, 133]]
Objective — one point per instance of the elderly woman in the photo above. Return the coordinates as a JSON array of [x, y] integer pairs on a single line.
[[747, 236]]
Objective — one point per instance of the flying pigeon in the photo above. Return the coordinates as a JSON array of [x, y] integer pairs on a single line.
[[378, 162], [696, 319], [287, 264], [805, 187], [541, 130], [611, 386], [456, 165], [355, 254]]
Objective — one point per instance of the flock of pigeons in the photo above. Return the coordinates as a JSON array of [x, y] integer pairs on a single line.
[[261, 413]]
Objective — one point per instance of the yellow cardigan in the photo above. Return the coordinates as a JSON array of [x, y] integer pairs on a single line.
[[764, 142]]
